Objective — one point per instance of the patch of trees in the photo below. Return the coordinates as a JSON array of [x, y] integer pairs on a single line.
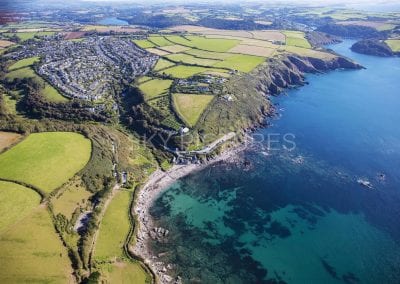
[[217, 23], [350, 31], [372, 47], [36, 106], [157, 21]]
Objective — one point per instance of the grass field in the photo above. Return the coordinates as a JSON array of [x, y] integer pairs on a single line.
[[48, 91], [241, 62], [75, 195], [7, 139], [143, 43], [207, 54], [175, 48], [144, 79], [26, 72], [157, 51], [24, 63], [29, 35], [52, 94], [253, 50], [189, 59], [160, 41], [200, 42], [31, 251], [155, 88], [182, 71], [191, 107], [307, 52], [46, 160], [124, 272], [295, 38], [113, 233], [162, 64], [394, 44], [16, 203]]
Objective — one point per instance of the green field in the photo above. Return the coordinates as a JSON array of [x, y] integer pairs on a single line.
[[394, 44], [46, 160], [144, 79], [241, 62], [22, 73], [143, 43], [155, 88], [48, 91], [207, 54], [182, 71], [162, 64], [24, 63], [191, 107], [74, 195], [209, 44], [307, 52], [189, 59], [124, 272], [159, 41], [16, 202], [114, 228], [29, 35], [31, 251], [295, 38]]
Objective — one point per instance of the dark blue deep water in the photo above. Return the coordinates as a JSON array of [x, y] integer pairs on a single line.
[[283, 215]]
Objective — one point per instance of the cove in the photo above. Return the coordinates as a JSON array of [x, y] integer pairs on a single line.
[[299, 216]]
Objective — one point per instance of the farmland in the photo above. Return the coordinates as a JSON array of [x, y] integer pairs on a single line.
[[191, 107], [144, 43], [394, 44], [162, 64], [200, 42], [212, 53], [24, 63], [159, 41], [74, 195], [241, 62], [124, 272], [23, 36], [31, 251], [183, 71], [298, 39], [189, 59], [5, 43], [16, 203], [8, 139], [22, 69], [112, 234], [155, 88], [55, 155]]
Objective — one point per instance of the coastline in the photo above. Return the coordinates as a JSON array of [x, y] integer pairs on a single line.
[[160, 181], [157, 183]]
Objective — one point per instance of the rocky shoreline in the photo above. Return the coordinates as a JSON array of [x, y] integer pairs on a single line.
[[158, 182]]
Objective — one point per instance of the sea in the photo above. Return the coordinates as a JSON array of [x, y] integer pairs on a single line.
[[314, 198]]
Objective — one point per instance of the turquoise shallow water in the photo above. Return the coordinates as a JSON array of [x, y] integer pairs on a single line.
[[300, 216]]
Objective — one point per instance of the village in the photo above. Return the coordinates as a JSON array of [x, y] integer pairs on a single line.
[[88, 69]]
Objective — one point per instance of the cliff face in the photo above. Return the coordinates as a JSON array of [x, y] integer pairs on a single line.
[[250, 104], [289, 71]]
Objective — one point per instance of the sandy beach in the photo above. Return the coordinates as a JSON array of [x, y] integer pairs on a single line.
[[157, 183]]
